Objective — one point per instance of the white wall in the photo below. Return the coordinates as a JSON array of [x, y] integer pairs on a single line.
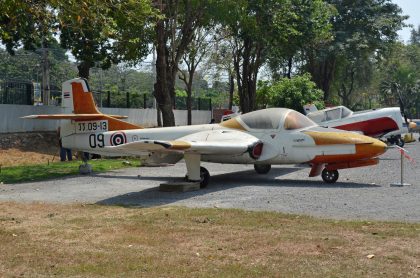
[[10, 114]]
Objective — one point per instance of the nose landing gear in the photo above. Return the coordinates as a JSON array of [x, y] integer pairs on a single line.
[[262, 168], [330, 176]]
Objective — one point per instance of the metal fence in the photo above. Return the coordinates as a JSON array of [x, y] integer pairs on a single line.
[[196, 103], [124, 100], [20, 92], [134, 100], [15, 92]]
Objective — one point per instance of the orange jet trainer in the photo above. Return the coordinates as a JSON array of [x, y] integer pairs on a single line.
[[262, 138]]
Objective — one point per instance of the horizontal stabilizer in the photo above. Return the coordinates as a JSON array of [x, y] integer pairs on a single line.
[[76, 117], [114, 122]]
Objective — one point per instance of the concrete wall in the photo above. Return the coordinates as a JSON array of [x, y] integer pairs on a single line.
[[10, 117]]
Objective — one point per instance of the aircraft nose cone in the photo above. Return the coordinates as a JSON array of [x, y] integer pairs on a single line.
[[372, 148], [365, 146]]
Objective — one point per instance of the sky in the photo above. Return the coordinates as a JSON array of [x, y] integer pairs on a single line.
[[412, 9]]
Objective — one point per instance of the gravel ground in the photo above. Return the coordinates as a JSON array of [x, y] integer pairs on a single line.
[[360, 193]]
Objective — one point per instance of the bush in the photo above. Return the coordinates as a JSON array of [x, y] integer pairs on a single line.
[[290, 93]]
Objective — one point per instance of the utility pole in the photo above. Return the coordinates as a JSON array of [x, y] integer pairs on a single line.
[[100, 84], [45, 76]]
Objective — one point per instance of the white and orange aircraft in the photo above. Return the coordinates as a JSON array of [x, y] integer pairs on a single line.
[[383, 122], [263, 138]]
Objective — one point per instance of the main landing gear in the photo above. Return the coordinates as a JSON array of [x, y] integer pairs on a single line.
[[262, 168], [330, 176], [396, 140], [196, 173], [204, 177]]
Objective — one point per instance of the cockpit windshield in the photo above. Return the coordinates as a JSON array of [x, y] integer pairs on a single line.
[[295, 120], [272, 118], [264, 119]]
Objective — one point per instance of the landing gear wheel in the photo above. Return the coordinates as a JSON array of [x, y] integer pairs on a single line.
[[204, 177], [329, 176], [262, 168], [400, 142]]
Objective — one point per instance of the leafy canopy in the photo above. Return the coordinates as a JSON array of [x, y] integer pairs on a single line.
[[290, 93]]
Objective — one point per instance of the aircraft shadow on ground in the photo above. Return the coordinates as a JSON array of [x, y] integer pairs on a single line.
[[153, 197]]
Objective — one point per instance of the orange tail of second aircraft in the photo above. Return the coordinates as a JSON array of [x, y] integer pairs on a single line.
[[77, 96]]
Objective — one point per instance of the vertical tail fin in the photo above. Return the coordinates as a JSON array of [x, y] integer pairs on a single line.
[[77, 96]]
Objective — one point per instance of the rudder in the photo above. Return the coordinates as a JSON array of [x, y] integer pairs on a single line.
[[77, 96]]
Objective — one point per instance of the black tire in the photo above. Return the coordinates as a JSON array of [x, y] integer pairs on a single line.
[[262, 168], [400, 142], [204, 177], [330, 176]]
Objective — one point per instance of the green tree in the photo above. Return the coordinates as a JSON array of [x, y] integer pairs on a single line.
[[101, 32], [173, 34], [220, 61], [106, 32], [415, 36], [26, 66], [290, 93], [400, 80], [361, 30], [256, 26], [195, 54], [26, 23]]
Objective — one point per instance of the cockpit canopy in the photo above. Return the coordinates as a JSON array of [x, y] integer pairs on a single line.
[[330, 114], [276, 118]]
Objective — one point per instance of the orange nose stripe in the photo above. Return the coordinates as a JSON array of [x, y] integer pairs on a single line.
[[333, 138], [366, 147], [371, 150]]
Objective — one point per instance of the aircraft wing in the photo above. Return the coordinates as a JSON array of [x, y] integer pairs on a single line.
[[215, 142]]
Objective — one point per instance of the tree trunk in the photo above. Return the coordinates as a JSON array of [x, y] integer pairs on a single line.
[[322, 72], [289, 67], [250, 67], [189, 106], [158, 117], [84, 68], [162, 86], [244, 94], [236, 66], [231, 90], [327, 77]]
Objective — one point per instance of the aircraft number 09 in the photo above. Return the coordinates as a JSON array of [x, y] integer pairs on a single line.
[[96, 141]]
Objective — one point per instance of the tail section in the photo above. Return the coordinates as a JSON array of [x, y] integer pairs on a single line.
[[77, 96]]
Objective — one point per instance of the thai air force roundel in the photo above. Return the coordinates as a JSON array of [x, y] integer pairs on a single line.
[[118, 138]]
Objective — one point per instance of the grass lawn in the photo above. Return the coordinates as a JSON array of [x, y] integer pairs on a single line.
[[16, 174], [40, 240]]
